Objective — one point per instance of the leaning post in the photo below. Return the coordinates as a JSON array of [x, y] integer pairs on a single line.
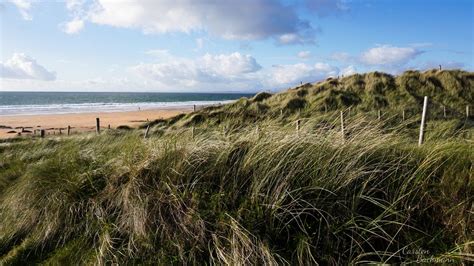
[[68, 130], [146, 132], [423, 120]]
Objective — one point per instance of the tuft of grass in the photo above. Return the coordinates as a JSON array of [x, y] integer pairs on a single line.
[[124, 127], [261, 96]]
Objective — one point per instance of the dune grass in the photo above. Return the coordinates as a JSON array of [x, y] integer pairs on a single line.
[[241, 195], [450, 90]]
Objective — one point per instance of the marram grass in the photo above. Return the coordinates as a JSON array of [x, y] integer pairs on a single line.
[[240, 195]]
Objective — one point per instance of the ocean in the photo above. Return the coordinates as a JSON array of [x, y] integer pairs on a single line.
[[26, 103]]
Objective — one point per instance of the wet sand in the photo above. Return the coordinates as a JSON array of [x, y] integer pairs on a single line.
[[80, 122]]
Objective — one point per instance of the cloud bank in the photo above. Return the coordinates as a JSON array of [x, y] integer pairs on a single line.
[[21, 66], [389, 55], [288, 75], [229, 19], [222, 68]]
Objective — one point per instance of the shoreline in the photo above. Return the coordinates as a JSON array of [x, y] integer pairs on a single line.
[[56, 109], [81, 122]]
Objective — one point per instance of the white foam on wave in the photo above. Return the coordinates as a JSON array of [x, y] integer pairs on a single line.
[[6, 110]]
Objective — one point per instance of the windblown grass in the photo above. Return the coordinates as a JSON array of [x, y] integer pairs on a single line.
[[240, 195], [363, 93]]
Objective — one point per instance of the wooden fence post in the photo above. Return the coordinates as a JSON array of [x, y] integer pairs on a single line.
[[42, 133], [342, 126], [423, 120], [194, 108], [97, 125], [403, 115], [298, 122], [108, 126], [68, 130], [146, 132], [60, 131]]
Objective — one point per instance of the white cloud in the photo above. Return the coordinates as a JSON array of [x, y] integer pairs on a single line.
[[389, 55], [347, 71], [24, 7], [74, 4], [327, 69], [229, 19], [74, 26], [222, 68], [21, 66], [232, 64], [304, 54], [295, 38], [288, 75]]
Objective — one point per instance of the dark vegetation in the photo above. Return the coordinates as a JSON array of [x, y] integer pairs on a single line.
[[234, 193]]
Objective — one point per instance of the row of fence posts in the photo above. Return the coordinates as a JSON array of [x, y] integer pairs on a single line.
[[68, 129], [42, 132], [379, 116], [147, 128], [97, 129], [298, 123]]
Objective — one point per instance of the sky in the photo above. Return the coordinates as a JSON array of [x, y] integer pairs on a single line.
[[224, 45]]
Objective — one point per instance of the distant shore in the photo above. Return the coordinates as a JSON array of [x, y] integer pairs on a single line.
[[10, 126]]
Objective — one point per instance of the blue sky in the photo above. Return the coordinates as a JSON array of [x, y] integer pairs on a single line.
[[211, 45]]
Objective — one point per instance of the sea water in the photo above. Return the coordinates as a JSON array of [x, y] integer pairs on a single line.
[[26, 103]]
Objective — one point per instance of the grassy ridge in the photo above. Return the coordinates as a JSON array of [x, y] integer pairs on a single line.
[[236, 193], [363, 93]]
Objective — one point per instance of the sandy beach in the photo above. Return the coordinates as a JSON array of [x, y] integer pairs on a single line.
[[80, 122]]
